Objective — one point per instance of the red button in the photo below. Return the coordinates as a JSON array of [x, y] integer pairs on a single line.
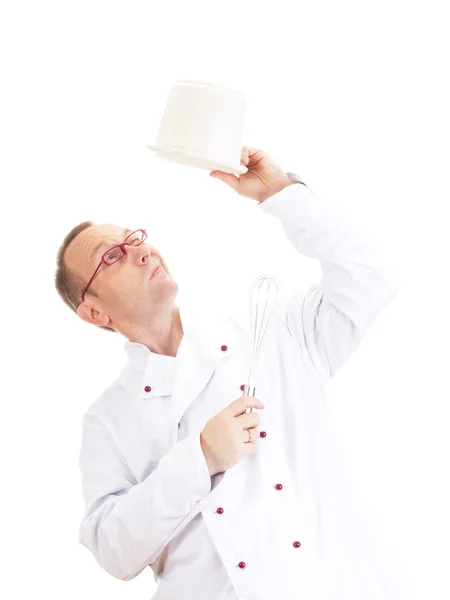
[[279, 486], [224, 348], [243, 387], [220, 510], [296, 544], [242, 565], [262, 434], [148, 388]]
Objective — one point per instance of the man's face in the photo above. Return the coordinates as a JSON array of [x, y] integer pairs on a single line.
[[125, 292]]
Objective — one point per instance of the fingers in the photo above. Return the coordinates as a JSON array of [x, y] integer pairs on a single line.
[[249, 420], [252, 437], [251, 155], [245, 156], [228, 178], [241, 404]]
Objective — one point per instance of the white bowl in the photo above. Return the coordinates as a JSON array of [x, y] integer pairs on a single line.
[[202, 127]]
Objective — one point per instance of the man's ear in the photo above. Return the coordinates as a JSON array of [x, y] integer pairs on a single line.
[[92, 315]]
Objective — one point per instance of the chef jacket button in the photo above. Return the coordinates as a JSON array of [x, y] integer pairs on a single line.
[[279, 486], [296, 544], [243, 387], [224, 348], [242, 565], [220, 510], [262, 434], [179, 424], [148, 388]]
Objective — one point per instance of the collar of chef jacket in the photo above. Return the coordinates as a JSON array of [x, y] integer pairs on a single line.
[[185, 375]]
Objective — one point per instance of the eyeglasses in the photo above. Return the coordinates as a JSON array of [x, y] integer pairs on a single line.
[[115, 253]]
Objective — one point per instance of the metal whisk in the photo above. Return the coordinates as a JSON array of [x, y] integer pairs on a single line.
[[263, 295]]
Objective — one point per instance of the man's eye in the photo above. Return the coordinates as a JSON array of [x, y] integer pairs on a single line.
[[114, 254]]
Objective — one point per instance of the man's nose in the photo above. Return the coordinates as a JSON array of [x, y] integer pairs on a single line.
[[140, 254]]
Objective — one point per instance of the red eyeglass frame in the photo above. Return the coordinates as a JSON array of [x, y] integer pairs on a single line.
[[123, 250]]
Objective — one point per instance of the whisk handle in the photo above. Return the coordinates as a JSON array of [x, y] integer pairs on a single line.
[[249, 390]]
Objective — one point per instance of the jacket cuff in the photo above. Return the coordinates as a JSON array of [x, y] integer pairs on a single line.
[[295, 204]]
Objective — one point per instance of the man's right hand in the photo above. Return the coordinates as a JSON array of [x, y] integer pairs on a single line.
[[225, 439]]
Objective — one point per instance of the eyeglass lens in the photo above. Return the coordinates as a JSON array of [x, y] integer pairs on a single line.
[[116, 253]]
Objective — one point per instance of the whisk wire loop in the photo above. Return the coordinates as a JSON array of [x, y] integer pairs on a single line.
[[263, 296]]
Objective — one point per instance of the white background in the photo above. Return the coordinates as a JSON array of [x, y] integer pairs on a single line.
[[353, 96]]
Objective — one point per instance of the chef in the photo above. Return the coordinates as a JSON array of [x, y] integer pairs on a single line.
[[221, 502]]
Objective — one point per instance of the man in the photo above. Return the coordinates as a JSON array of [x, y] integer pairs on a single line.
[[220, 503]]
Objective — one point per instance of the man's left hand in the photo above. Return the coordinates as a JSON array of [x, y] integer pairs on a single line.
[[263, 179]]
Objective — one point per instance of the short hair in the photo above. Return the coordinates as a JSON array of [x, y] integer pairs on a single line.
[[68, 285]]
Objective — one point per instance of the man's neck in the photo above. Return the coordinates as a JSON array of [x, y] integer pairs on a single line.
[[162, 336]]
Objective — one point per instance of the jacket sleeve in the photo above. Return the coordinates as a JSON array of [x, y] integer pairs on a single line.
[[127, 525], [330, 319]]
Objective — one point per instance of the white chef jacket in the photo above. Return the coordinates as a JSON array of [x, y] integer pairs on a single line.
[[285, 522]]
